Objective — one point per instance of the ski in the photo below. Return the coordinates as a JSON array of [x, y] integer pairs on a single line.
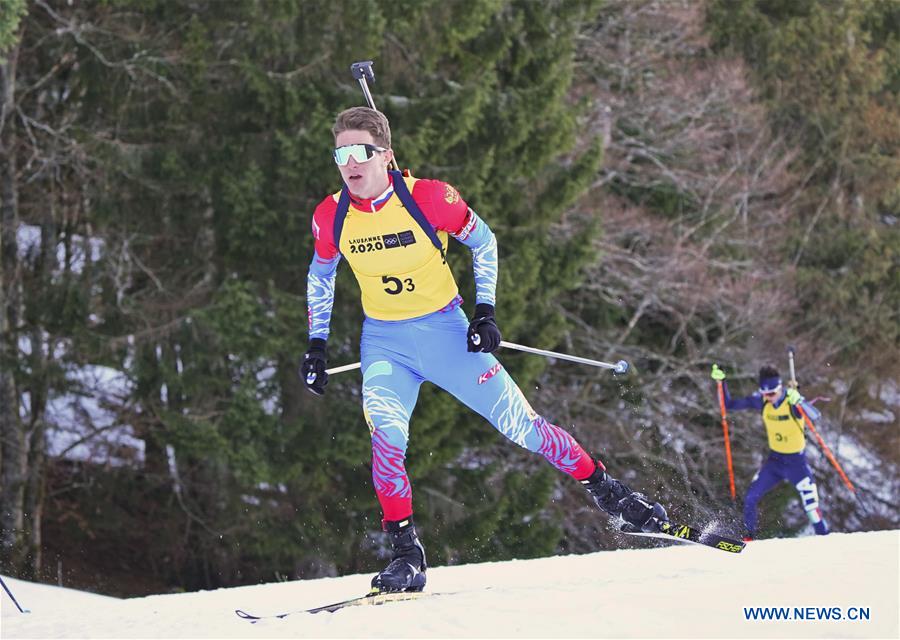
[[685, 533], [372, 598]]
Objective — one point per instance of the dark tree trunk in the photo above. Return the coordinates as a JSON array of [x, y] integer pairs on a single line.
[[13, 446]]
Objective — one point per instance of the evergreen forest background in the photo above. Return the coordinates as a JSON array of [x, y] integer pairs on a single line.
[[675, 183]]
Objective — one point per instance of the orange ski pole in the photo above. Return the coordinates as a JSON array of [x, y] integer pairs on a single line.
[[826, 450], [727, 441]]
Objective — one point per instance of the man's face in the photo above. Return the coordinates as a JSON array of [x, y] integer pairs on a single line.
[[364, 179]]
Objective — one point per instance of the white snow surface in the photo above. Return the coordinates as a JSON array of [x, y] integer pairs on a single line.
[[668, 592]]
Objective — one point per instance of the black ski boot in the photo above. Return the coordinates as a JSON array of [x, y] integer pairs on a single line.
[[406, 571], [619, 501]]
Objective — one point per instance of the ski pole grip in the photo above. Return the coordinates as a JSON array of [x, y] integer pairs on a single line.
[[362, 70]]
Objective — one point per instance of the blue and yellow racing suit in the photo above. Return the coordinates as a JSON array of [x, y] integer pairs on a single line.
[[787, 460], [414, 329]]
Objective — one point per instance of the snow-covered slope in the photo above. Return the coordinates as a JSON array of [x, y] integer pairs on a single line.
[[683, 592]]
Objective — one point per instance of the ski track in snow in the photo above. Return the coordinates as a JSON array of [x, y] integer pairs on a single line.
[[666, 592]]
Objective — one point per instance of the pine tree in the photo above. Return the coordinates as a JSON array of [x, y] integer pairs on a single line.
[[13, 457]]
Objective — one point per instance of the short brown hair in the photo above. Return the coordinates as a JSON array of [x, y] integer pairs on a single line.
[[364, 119]]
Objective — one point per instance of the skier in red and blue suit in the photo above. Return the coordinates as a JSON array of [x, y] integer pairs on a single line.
[[784, 425], [393, 231]]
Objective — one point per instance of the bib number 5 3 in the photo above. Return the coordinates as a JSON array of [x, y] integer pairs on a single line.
[[397, 286]]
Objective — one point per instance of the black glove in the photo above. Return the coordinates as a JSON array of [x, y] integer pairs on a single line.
[[312, 367], [483, 334]]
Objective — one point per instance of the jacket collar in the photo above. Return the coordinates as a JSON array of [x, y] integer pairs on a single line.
[[372, 205]]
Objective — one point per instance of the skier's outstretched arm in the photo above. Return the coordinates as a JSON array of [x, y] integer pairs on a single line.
[[753, 401], [320, 298]]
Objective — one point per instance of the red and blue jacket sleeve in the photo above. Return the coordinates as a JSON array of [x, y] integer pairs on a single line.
[[322, 270], [447, 211]]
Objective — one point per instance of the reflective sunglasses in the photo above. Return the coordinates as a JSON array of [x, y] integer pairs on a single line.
[[770, 392], [359, 152]]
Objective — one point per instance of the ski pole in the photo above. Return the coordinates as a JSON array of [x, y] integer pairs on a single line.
[[343, 368], [815, 432], [826, 450], [363, 72], [12, 597], [727, 440], [620, 367]]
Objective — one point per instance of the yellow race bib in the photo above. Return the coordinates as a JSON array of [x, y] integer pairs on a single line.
[[401, 274], [785, 432]]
